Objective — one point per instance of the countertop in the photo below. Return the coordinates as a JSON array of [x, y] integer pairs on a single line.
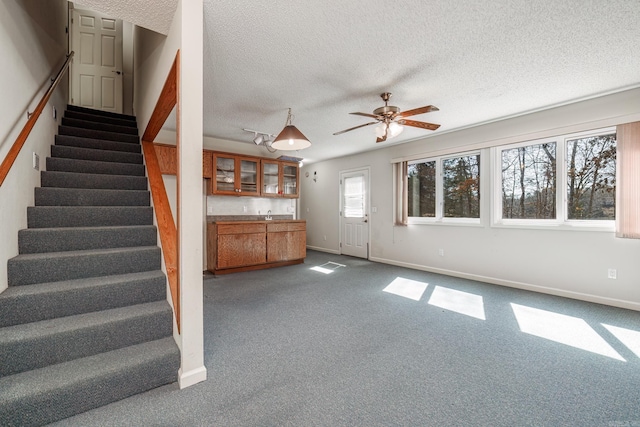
[[252, 218]]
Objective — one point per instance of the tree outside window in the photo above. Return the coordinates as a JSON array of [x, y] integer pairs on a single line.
[[461, 185], [421, 188], [529, 181], [591, 178]]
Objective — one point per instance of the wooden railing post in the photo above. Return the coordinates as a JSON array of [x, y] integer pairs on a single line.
[[166, 226]]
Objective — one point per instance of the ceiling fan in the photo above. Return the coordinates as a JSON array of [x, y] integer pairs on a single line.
[[391, 119]]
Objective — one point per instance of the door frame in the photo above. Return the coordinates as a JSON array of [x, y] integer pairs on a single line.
[[367, 207]]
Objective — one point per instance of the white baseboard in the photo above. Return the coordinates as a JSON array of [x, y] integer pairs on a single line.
[[331, 251], [518, 285], [194, 376]]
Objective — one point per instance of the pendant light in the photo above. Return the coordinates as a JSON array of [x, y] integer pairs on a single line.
[[290, 138]]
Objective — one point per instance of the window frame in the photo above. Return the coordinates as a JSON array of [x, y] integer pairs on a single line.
[[439, 217], [561, 221]]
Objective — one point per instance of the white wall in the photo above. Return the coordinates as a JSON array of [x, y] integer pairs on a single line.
[[33, 45], [568, 262], [154, 55]]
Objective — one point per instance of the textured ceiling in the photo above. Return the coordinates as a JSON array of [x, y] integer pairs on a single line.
[[155, 15], [476, 60]]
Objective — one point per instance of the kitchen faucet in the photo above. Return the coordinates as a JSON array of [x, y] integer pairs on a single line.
[[268, 217]]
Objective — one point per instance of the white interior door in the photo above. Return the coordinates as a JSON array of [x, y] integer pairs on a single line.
[[96, 69], [354, 213]]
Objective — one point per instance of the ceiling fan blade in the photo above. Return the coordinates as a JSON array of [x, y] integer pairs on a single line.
[[422, 125], [373, 116], [420, 110], [355, 127]]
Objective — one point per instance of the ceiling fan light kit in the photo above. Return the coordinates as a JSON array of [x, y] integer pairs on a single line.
[[391, 120], [290, 138]]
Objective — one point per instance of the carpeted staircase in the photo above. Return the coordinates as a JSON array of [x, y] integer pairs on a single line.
[[85, 320]]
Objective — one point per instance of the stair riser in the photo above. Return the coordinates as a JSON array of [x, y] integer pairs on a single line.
[[73, 300], [97, 144], [64, 216], [100, 113], [34, 240], [78, 265], [108, 127], [94, 181], [89, 166], [98, 134], [43, 350], [99, 118], [80, 393], [48, 196], [95, 155]]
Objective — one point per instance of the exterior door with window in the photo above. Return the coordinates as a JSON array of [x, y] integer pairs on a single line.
[[96, 69], [354, 213]]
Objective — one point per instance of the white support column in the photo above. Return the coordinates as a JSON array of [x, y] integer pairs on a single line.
[[190, 116]]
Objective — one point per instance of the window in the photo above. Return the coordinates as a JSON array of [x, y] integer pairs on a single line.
[[440, 188], [569, 178], [421, 187], [461, 183], [354, 197], [529, 181], [591, 178]]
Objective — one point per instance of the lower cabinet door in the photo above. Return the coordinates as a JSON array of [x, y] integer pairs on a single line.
[[286, 246], [239, 250]]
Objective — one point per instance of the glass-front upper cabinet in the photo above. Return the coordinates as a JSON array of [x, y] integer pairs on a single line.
[[270, 178], [290, 179], [279, 179], [236, 175]]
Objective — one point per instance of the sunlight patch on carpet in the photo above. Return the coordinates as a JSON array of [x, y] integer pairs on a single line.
[[407, 288], [461, 302], [563, 329], [628, 337], [327, 268]]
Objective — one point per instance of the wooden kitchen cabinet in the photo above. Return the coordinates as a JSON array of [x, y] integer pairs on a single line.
[[234, 246], [235, 175], [286, 241], [279, 178], [239, 245]]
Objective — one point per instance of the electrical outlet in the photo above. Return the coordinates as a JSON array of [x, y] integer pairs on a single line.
[[36, 161], [612, 273], [244, 209], [441, 252], [374, 209], [55, 113], [325, 237]]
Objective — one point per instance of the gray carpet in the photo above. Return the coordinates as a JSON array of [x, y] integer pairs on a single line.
[[293, 346]]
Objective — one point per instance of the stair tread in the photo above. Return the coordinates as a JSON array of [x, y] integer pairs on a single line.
[[85, 150], [101, 112], [65, 179], [75, 284], [34, 330], [85, 115], [80, 141], [98, 134], [98, 125], [48, 380], [73, 254], [68, 164]]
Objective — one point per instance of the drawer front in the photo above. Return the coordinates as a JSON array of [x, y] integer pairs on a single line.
[[241, 228], [286, 226]]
